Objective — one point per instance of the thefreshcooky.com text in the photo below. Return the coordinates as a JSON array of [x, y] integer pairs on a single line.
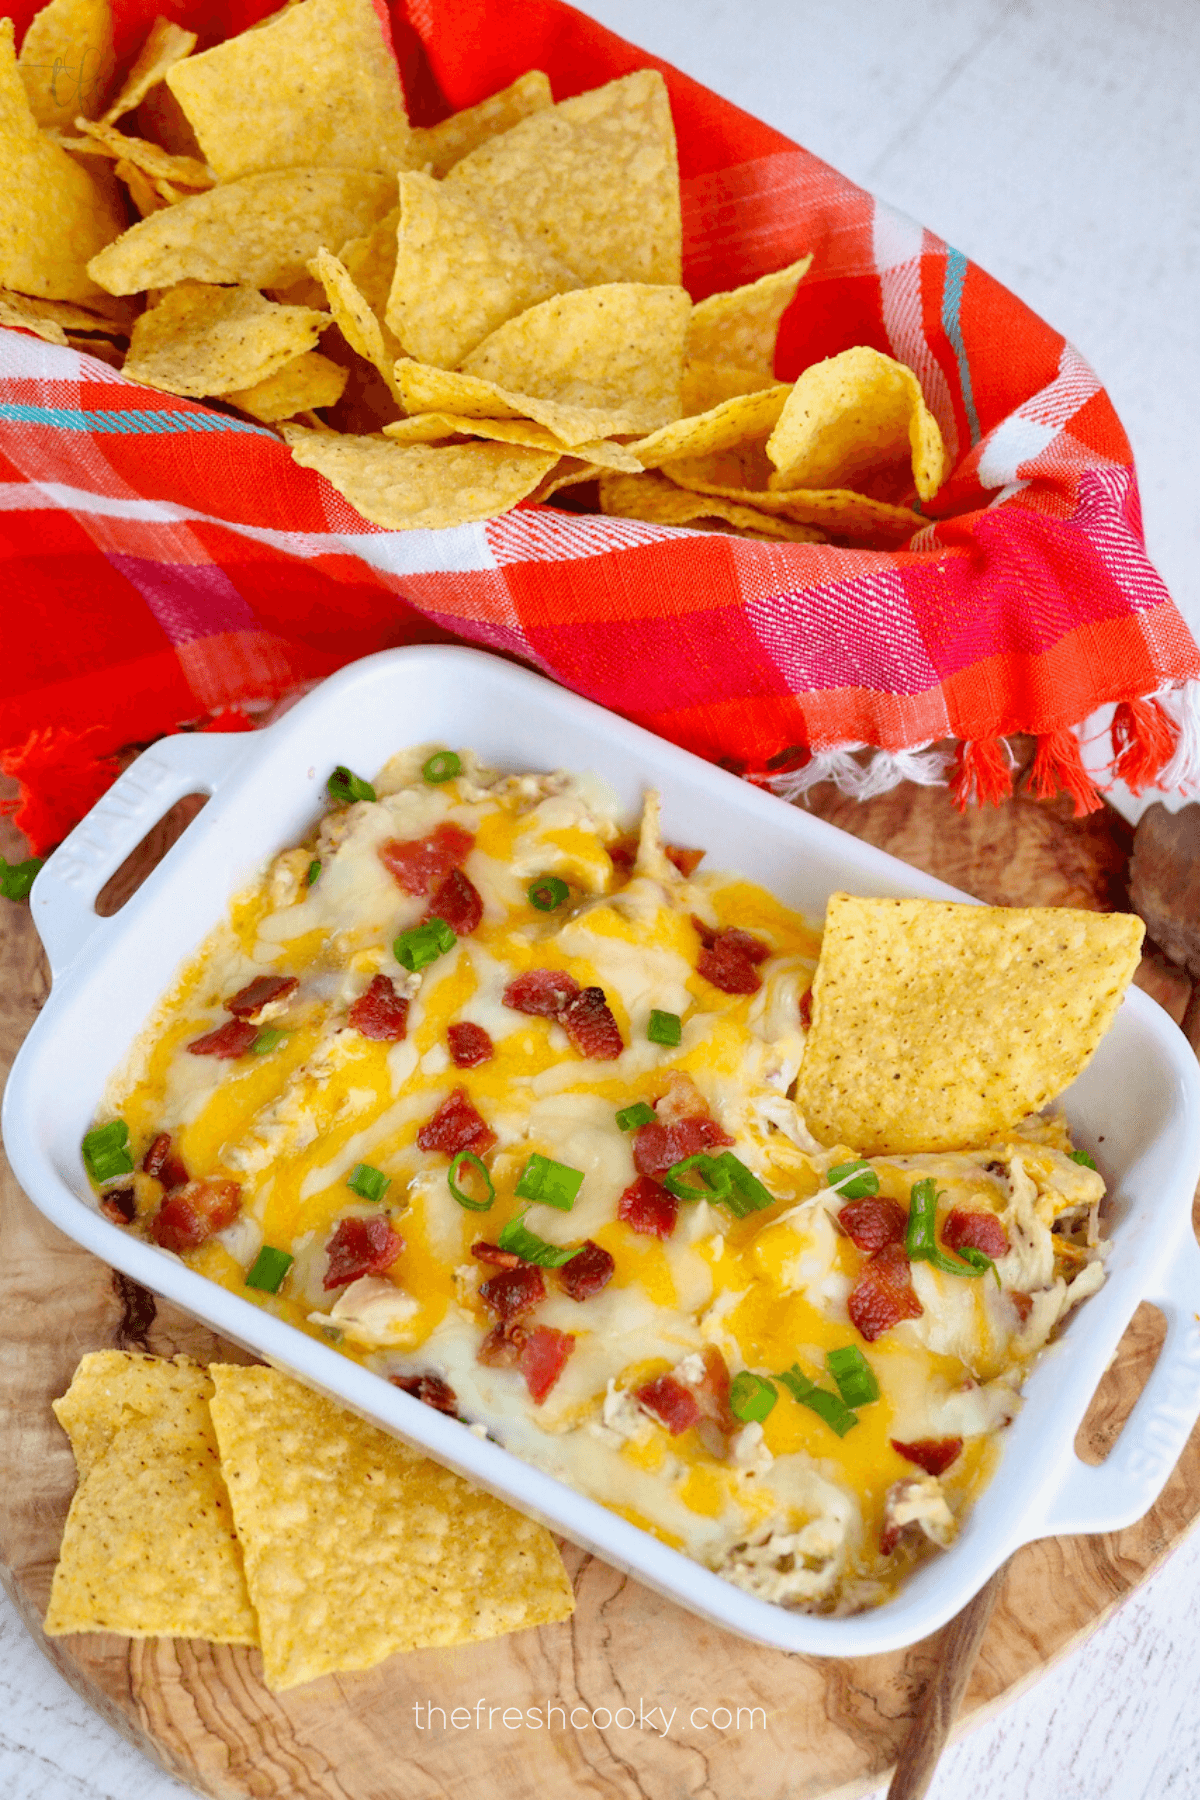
[[428, 1716]]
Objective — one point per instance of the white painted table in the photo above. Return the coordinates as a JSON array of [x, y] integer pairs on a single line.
[[1055, 142]]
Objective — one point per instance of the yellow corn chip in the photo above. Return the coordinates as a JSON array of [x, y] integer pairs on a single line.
[[67, 60], [165, 44], [317, 87], [740, 327], [149, 1547], [439, 147], [459, 273], [835, 511], [707, 384], [152, 159], [142, 191], [652, 497], [203, 340], [354, 318], [370, 262], [851, 417], [53, 215], [309, 380], [357, 1546], [48, 318], [444, 391], [936, 1026], [428, 428], [409, 487], [261, 230], [736, 421], [594, 180]]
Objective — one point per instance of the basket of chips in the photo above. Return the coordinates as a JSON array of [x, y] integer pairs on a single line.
[[333, 329]]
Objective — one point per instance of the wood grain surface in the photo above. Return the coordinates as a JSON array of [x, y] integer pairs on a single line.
[[824, 1728]]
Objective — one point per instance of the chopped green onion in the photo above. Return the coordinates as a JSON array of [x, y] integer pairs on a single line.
[[443, 766], [920, 1237], [548, 893], [630, 1117], [16, 879], [854, 1375], [417, 948], [106, 1151], [830, 1407], [269, 1268], [371, 1183], [747, 1193], [855, 1180], [549, 1183], [751, 1396], [345, 786], [717, 1182], [526, 1244], [266, 1040], [1082, 1158], [664, 1028], [464, 1199], [314, 869]]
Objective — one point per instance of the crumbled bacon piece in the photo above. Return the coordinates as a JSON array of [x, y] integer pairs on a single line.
[[457, 900], [492, 1253], [729, 969], [542, 993], [456, 1126], [469, 1044], [934, 1455], [752, 948], [191, 1214], [588, 1272], [543, 1356], [712, 1392], [501, 1348], [648, 1208], [1023, 1304], [513, 1291], [806, 1010], [233, 1038], [381, 1013], [119, 1205], [672, 1404], [657, 1148], [361, 1247], [431, 1390], [883, 1294], [259, 993], [160, 1161], [975, 1231], [418, 863], [871, 1224], [685, 860], [588, 1022]]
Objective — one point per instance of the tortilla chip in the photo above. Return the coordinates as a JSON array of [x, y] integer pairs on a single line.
[[937, 1026], [841, 514], [203, 340], [152, 159], [741, 327], [594, 181], [439, 147], [149, 1547], [652, 497], [854, 416], [67, 60], [357, 1546], [736, 421], [354, 318], [425, 390], [410, 487], [142, 191], [260, 230], [48, 318], [428, 428], [317, 88], [459, 273], [165, 44], [707, 384], [309, 380], [370, 262]]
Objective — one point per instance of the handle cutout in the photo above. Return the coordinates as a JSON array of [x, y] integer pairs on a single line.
[[145, 856], [1121, 1387]]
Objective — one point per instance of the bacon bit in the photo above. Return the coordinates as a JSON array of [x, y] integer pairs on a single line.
[[431, 1390], [381, 1013], [588, 1022], [934, 1455], [469, 1044], [672, 1404], [159, 1161], [685, 860], [231, 1039], [259, 993], [191, 1214], [361, 1247], [975, 1231], [502, 1347], [871, 1224], [492, 1253], [417, 863], [657, 1148], [513, 1291], [543, 1357], [457, 900], [752, 948], [648, 1208], [1022, 1304], [456, 1126], [119, 1205], [806, 1010], [588, 1272], [883, 1294], [542, 993], [728, 970], [712, 1392]]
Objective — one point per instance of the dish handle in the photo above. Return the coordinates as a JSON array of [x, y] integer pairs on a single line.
[[1126, 1484], [63, 896]]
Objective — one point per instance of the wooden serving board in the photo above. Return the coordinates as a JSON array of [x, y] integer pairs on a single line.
[[822, 1728]]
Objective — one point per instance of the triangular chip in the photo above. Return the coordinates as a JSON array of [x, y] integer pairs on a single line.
[[203, 340], [152, 159], [354, 318], [741, 326], [460, 273], [438, 147], [428, 428], [836, 511], [261, 231], [67, 60], [142, 191], [594, 180], [317, 88], [652, 497], [165, 44], [708, 384], [410, 487], [852, 417], [370, 262], [939, 1026], [357, 1546], [444, 391], [49, 319], [308, 381], [732, 422]]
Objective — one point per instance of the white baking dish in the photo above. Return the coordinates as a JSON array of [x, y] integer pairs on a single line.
[[1136, 1107]]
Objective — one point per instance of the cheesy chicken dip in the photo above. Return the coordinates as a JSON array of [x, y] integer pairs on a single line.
[[500, 1100]]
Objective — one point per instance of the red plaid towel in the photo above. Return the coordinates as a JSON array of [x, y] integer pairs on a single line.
[[168, 564]]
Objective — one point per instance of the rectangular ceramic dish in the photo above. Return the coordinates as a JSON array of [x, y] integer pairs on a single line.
[[1137, 1106]]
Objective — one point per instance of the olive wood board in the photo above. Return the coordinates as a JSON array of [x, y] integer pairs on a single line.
[[822, 1728]]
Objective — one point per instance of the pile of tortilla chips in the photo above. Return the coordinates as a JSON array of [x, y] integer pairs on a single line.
[[236, 1505], [497, 299]]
